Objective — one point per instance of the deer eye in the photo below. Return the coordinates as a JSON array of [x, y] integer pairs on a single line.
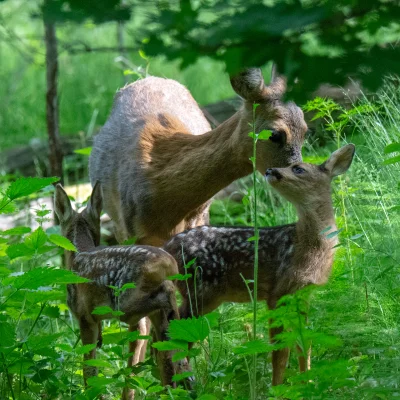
[[277, 136], [298, 170]]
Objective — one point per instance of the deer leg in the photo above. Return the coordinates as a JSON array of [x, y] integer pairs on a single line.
[[279, 358], [89, 335], [304, 361]]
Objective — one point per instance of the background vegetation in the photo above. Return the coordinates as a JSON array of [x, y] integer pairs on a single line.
[[354, 320]]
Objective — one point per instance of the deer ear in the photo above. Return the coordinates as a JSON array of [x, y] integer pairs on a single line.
[[340, 160], [62, 204], [277, 87], [95, 204], [249, 84]]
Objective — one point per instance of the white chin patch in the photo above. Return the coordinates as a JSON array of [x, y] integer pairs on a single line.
[[271, 178]]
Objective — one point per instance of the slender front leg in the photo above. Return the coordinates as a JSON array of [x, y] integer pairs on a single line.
[[279, 357], [89, 335], [136, 347], [304, 362]]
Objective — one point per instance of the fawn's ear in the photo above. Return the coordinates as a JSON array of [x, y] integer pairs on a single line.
[[62, 204], [340, 160], [95, 204]]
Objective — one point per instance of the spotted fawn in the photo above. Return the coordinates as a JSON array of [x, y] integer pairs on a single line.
[[147, 267], [290, 256]]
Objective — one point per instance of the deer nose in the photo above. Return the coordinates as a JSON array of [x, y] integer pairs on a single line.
[[268, 171]]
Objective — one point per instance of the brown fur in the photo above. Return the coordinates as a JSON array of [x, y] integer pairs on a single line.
[[160, 163], [291, 257], [148, 267]]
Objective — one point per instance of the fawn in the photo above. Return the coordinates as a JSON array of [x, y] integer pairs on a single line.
[[146, 266], [290, 256]]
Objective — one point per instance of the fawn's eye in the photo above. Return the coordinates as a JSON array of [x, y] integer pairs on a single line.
[[298, 170], [277, 136]]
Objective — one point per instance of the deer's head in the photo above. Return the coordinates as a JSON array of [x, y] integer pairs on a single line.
[[82, 229], [303, 184], [285, 120]]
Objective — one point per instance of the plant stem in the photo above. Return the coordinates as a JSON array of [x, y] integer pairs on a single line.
[[255, 292]]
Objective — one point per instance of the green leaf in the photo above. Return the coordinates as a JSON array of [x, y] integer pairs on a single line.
[[100, 381], [85, 349], [184, 375], [252, 239], [48, 276], [102, 310], [84, 151], [355, 237], [36, 239], [19, 250], [6, 206], [126, 286], [190, 263], [251, 134], [189, 330], [26, 186], [62, 241], [179, 277], [154, 389], [392, 160], [264, 135], [170, 345], [179, 355], [7, 335], [333, 234], [391, 148], [98, 363], [252, 347], [207, 397], [117, 313], [19, 230]]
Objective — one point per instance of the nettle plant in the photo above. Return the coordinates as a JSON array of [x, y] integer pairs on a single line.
[[40, 355]]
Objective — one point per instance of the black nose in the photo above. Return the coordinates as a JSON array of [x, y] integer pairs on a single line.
[[269, 171]]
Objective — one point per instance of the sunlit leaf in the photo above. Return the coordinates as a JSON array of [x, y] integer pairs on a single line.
[[62, 241], [26, 186]]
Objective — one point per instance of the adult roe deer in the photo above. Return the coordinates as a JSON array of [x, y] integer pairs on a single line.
[[290, 256], [159, 162], [145, 266]]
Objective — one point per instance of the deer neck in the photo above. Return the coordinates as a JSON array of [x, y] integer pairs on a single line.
[[83, 241], [316, 222], [202, 165]]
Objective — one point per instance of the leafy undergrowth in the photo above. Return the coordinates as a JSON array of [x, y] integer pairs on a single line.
[[353, 321]]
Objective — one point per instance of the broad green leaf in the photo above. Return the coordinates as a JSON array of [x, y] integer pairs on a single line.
[[98, 363], [52, 311], [189, 330], [26, 186], [117, 313], [252, 347], [99, 381], [19, 230], [47, 276], [62, 242], [154, 389], [102, 310], [207, 397], [84, 151], [392, 160], [170, 345], [19, 250], [251, 134], [179, 355], [7, 334], [179, 377], [6, 206], [85, 349], [391, 148], [36, 239]]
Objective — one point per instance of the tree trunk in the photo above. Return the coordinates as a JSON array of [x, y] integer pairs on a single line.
[[55, 149]]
